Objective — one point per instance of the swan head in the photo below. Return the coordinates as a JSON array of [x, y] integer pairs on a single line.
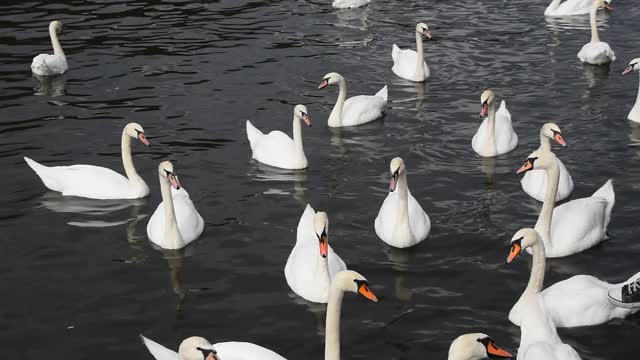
[[56, 26], [396, 168], [487, 98], [423, 29], [349, 280], [330, 79], [634, 65], [300, 112], [552, 131], [538, 159], [136, 131], [602, 4], [476, 347], [522, 239], [197, 348], [165, 169], [321, 228]]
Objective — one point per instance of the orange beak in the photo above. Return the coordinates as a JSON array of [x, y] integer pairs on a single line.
[[306, 119], [484, 109], [492, 349], [627, 70], [608, 7], [559, 139], [143, 138], [526, 167], [427, 34], [323, 84], [515, 250], [366, 292], [174, 181], [324, 245], [211, 357]]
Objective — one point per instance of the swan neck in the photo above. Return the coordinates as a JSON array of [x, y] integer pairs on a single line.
[[544, 220], [638, 97], [332, 331], [545, 142], [57, 49], [536, 279], [172, 238], [594, 25], [403, 197], [335, 119], [297, 135], [492, 126], [420, 58], [127, 161]]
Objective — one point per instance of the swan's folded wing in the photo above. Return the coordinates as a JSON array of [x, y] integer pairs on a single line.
[[578, 301], [362, 109], [506, 138], [418, 218], [304, 232], [253, 134], [335, 263], [578, 225], [190, 223], [158, 351], [234, 350]]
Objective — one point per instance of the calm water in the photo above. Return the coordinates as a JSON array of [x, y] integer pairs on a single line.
[[79, 279]]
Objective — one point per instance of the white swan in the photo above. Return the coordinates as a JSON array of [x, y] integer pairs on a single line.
[[277, 148], [95, 182], [495, 135], [476, 346], [197, 348], [534, 182], [176, 222], [596, 52], [200, 349], [410, 64], [573, 226], [569, 7], [634, 115], [349, 4], [401, 222], [356, 110], [312, 262], [45, 64], [581, 300]]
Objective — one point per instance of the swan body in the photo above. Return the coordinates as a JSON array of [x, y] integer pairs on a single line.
[[401, 221], [197, 348], [176, 222], [409, 64], [349, 4], [309, 269], [534, 182], [581, 300], [569, 7], [47, 64], [277, 149], [356, 110], [495, 135], [96, 182], [596, 52], [576, 225], [189, 350], [634, 65]]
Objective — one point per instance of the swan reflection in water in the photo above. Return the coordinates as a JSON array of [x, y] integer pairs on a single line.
[[400, 259], [419, 89], [50, 85], [261, 172], [96, 210], [357, 18]]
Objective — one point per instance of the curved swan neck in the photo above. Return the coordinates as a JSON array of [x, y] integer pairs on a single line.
[[332, 331], [57, 49], [594, 25], [335, 119], [543, 226], [536, 279], [545, 142], [172, 238], [127, 161], [420, 59], [403, 197], [491, 138], [638, 97], [297, 135]]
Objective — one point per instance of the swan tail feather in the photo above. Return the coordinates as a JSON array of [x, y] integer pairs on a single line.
[[43, 173], [606, 192], [383, 93], [394, 52], [252, 133]]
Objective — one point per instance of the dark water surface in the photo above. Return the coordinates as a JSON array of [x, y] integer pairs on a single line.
[[79, 279]]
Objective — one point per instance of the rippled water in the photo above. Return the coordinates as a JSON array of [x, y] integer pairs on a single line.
[[80, 280]]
